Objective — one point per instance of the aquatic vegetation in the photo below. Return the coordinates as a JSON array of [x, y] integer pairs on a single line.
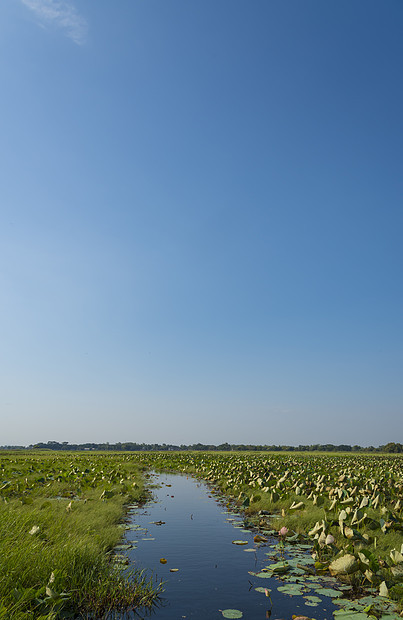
[[231, 613], [339, 515], [349, 509]]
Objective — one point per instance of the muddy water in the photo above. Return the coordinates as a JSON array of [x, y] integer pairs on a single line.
[[193, 531]]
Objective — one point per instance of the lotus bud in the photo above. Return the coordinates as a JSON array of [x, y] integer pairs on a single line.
[[283, 531]]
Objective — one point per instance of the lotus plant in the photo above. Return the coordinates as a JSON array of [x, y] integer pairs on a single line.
[[282, 534]]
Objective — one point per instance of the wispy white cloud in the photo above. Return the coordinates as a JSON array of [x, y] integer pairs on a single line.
[[60, 14]]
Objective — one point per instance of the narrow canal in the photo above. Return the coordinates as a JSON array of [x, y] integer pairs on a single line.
[[206, 573]]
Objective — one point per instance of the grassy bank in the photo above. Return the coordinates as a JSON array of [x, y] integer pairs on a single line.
[[60, 519]]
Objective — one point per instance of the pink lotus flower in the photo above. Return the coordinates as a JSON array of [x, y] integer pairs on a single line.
[[283, 531]]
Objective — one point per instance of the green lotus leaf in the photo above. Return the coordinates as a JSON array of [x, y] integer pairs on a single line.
[[292, 589], [313, 599], [231, 613], [263, 575], [329, 592], [345, 565], [350, 615]]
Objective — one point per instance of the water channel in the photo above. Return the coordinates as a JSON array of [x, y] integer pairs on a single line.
[[205, 572]]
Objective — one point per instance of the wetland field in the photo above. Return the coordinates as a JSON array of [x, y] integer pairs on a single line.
[[200, 535]]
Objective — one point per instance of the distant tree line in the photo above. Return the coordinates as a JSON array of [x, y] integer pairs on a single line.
[[391, 448]]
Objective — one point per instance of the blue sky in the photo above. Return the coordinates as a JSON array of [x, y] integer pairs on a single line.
[[201, 221]]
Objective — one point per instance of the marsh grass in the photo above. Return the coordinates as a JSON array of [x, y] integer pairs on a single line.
[[56, 553]]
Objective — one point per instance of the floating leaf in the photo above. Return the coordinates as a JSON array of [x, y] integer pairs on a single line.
[[328, 592], [313, 599], [163, 560], [341, 614], [279, 567], [232, 613], [263, 575], [292, 589], [240, 542]]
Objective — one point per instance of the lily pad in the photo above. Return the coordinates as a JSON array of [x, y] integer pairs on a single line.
[[279, 567], [313, 599], [341, 614], [263, 575], [328, 592], [231, 613], [292, 589], [348, 604], [240, 542]]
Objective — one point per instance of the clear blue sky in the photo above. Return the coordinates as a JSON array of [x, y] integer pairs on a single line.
[[201, 221]]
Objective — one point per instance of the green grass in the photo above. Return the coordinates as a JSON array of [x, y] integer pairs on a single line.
[[57, 537]]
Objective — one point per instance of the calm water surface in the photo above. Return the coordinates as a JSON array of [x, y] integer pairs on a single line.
[[213, 573]]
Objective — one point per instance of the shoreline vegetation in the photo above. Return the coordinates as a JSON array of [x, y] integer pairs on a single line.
[[62, 515]]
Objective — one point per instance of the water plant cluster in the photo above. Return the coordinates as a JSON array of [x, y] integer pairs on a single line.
[[60, 520], [349, 509]]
